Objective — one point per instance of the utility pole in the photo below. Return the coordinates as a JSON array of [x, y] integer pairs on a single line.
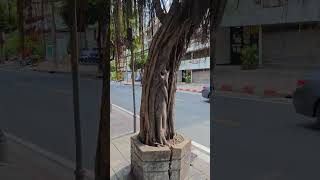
[[79, 172]]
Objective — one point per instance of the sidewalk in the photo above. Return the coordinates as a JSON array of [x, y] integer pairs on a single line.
[[26, 164], [121, 131]]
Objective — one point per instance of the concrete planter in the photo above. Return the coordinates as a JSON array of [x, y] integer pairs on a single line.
[[160, 163]]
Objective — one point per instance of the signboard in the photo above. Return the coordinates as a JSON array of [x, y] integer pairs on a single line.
[[201, 63]]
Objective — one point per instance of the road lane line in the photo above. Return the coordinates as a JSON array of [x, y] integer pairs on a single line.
[[129, 112], [47, 154], [195, 144]]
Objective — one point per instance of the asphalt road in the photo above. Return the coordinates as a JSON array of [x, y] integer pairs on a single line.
[[37, 107], [254, 138]]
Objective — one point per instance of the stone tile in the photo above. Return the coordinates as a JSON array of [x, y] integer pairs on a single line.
[[199, 177], [116, 159], [201, 166], [192, 172]]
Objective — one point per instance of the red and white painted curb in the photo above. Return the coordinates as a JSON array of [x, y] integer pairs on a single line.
[[189, 90], [246, 89]]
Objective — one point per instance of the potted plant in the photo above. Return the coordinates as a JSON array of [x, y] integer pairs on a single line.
[[249, 57]]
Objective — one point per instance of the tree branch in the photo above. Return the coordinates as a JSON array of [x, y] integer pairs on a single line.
[[159, 11]]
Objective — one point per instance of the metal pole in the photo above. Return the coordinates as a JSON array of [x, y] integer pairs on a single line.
[[79, 172], [133, 92]]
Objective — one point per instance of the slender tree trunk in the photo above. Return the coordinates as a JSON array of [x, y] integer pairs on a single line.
[[43, 6], [117, 26], [54, 34], [141, 36], [102, 166], [20, 11], [159, 86]]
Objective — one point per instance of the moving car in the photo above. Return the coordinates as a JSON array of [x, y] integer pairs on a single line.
[[306, 98], [207, 91]]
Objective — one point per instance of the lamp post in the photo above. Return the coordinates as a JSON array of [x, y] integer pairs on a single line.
[[79, 172]]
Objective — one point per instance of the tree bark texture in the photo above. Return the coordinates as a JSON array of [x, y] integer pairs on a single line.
[[157, 112]]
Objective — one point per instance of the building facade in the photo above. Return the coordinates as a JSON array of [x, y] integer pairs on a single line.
[[285, 32]]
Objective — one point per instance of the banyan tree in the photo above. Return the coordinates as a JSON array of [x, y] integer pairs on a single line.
[[179, 20], [168, 45]]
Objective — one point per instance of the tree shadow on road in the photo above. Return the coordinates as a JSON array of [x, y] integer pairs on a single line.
[[314, 126]]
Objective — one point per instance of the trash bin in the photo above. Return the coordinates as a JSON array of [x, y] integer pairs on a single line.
[[3, 149]]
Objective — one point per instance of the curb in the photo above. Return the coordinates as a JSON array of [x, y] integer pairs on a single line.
[[247, 89], [252, 90], [66, 72], [189, 90]]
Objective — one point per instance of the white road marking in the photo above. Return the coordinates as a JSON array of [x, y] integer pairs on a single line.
[[49, 155], [129, 112], [195, 144]]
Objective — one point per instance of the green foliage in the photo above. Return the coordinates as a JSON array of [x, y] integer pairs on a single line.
[[188, 77], [8, 18], [139, 62], [113, 76], [113, 66], [35, 46], [249, 57], [11, 45]]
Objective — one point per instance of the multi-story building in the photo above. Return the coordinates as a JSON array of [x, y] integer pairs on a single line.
[[285, 32], [39, 21]]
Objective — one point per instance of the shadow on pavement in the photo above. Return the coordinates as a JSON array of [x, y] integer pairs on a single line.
[[314, 126]]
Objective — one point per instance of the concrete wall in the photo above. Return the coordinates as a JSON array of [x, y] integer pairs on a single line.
[[247, 12], [63, 39], [292, 47]]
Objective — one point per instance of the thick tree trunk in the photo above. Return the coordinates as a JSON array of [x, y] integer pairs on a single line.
[[157, 110]]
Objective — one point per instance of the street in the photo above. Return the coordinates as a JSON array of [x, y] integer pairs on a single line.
[[37, 107], [259, 140], [254, 138]]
